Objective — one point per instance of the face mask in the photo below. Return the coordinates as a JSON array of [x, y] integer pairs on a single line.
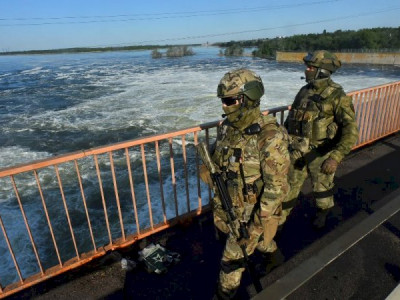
[[310, 74], [232, 112]]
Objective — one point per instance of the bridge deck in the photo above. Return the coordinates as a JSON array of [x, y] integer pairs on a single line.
[[366, 181]]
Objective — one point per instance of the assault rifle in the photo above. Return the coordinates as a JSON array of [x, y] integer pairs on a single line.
[[237, 228]]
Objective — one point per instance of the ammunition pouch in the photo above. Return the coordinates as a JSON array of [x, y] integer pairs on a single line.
[[251, 191], [313, 121], [254, 188], [323, 128]]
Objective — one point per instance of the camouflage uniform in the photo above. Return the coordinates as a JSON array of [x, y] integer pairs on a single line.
[[254, 164], [323, 130]]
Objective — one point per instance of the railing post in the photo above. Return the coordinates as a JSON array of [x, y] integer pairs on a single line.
[[128, 163], [103, 200], [173, 179], [186, 172], [66, 211], [161, 181], [47, 217], [28, 229], [11, 251], [121, 221], [147, 185]]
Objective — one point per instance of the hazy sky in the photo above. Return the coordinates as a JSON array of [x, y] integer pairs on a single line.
[[52, 24]]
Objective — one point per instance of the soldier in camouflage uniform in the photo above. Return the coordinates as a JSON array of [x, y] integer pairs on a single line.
[[251, 151], [323, 129]]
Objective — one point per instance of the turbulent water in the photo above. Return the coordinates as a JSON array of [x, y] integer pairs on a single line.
[[54, 104]]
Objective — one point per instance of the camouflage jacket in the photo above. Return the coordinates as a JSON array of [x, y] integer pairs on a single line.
[[324, 115], [254, 167]]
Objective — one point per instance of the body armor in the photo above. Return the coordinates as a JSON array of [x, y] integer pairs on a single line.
[[238, 156], [312, 116]]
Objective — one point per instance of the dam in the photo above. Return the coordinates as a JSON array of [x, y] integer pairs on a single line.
[[383, 58]]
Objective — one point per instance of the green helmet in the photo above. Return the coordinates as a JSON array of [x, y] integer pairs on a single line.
[[241, 82], [322, 59]]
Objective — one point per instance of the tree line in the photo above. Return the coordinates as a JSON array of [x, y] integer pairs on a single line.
[[377, 39], [102, 49]]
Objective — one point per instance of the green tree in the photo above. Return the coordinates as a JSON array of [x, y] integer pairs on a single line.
[[179, 51], [156, 54], [234, 50]]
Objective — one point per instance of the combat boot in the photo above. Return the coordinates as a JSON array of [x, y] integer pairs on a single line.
[[272, 260], [319, 221]]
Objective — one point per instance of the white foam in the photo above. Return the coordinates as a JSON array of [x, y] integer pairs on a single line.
[[34, 71], [132, 91], [16, 154]]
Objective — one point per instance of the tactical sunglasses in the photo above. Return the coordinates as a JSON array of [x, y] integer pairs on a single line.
[[228, 101]]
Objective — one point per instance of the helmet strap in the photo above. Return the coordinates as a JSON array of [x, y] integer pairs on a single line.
[[317, 74], [325, 73]]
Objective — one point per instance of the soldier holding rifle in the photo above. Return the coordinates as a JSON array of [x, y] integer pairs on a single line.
[[248, 172]]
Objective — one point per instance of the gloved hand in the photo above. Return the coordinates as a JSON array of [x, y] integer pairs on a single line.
[[243, 242], [254, 232], [295, 155], [329, 166], [205, 175]]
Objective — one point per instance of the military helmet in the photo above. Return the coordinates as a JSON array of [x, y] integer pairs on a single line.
[[322, 59], [241, 82]]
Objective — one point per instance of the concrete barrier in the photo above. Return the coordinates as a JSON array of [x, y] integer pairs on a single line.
[[389, 58]]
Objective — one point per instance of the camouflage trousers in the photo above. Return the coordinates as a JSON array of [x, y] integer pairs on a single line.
[[232, 264], [322, 184]]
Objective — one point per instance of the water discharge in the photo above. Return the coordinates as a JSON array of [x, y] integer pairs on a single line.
[[55, 104]]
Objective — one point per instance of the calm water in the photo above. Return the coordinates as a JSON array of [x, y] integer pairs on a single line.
[[53, 104]]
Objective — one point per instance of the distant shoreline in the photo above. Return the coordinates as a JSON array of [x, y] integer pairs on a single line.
[[382, 58], [379, 58], [90, 50]]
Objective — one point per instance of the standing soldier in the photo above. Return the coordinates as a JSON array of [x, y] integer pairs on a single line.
[[323, 129], [251, 154]]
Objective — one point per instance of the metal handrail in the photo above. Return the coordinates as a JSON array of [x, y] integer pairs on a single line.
[[377, 113]]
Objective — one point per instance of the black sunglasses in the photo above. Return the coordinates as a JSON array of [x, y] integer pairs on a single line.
[[228, 101]]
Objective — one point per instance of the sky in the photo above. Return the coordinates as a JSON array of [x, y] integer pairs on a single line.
[[55, 24]]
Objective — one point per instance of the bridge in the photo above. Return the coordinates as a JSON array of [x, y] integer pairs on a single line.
[[366, 183]]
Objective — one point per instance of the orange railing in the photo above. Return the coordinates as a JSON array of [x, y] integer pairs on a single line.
[[89, 202], [377, 112]]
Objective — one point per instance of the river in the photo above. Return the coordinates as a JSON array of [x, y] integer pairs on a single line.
[[55, 104]]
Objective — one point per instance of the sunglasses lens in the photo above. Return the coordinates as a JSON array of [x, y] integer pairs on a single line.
[[229, 101]]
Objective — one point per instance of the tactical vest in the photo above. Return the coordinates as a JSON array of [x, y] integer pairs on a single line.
[[238, 157], [313, 116]]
